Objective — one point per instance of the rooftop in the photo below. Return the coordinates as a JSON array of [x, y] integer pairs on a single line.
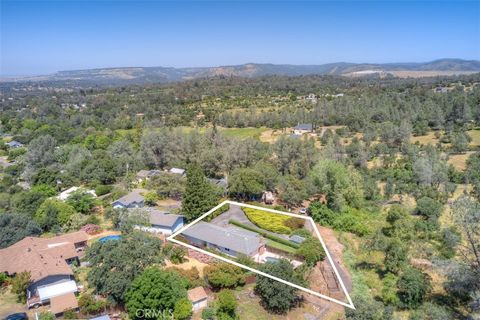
[[304, 126], [134, 196], [162, 218], [233, 238], [42, 257], [63, 303], [197, 294]]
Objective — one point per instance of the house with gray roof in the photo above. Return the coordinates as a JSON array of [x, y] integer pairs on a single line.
[[162, 221], [14, 144], [143, 175], [231, 240], [302, 128], [132, 200]]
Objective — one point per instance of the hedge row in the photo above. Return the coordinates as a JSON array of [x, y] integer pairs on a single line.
[[265, 234]]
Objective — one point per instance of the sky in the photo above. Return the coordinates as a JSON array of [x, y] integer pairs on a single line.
[[42, 37]]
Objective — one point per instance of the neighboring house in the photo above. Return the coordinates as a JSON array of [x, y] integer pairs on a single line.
[[48, 260], [132, 200], [198, 297], [144, 175], [231, 240], [67, 193], [14, 144], [177, 171], [311, 97], [162, 222], [303, 128]]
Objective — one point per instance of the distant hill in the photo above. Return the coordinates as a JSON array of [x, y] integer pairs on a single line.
[[111, 76]]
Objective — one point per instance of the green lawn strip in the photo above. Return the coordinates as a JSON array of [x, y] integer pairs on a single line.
[[265, 234], [281, 246]]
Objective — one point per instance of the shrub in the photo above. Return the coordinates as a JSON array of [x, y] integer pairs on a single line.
[[265, 234], [224, 275], [102, 189], [183, 309], [208, 314], [177, 255], [312, 250], [274, 222], [20, 284], [226, 303], [413, 286]]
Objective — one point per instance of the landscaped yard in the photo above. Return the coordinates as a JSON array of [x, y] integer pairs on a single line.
[[281, 246], [274, 222]]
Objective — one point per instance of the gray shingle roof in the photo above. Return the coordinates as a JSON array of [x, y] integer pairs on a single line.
[[304, 126], [162, 218], [133, 196], [233, 238]]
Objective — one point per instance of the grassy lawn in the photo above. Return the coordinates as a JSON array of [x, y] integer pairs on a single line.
[[281, 246], [274, 222], [475, 135], [9, 304]]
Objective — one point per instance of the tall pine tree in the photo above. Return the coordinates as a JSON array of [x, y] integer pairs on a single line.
[[200, 196]]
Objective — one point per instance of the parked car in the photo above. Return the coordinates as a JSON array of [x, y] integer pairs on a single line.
[[303, 211], [17, 316]]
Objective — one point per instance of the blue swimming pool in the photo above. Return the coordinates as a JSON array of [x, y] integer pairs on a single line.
[[271, 259], [108, 238]]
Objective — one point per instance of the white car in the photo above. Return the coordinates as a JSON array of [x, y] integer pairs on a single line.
[[303, 211]]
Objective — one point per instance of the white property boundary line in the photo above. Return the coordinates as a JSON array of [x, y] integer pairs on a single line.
[[350, 303]]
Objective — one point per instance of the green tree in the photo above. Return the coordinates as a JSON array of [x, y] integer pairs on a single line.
[[292, 190], [183, 309], [413, 286], [52, 213], [155, 289], [395, 256], [46, 315], [126, 257], [199, 194], [311, 249], [224, 275], [245, 183], [20, 283], [227, 303], [276, 296], [342, 185], [366, 308], [82, 201], [15, 227]]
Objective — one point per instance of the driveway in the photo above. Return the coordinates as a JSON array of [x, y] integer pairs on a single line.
[[235, 213]]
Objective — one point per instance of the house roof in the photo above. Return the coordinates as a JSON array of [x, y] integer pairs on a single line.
[[161, 218], [134, 196], [63, 303], [147, 173], [197, 294], [14, 143], [233, 238], [177, 171], [42, 257], [304, 126], [219, 182]]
